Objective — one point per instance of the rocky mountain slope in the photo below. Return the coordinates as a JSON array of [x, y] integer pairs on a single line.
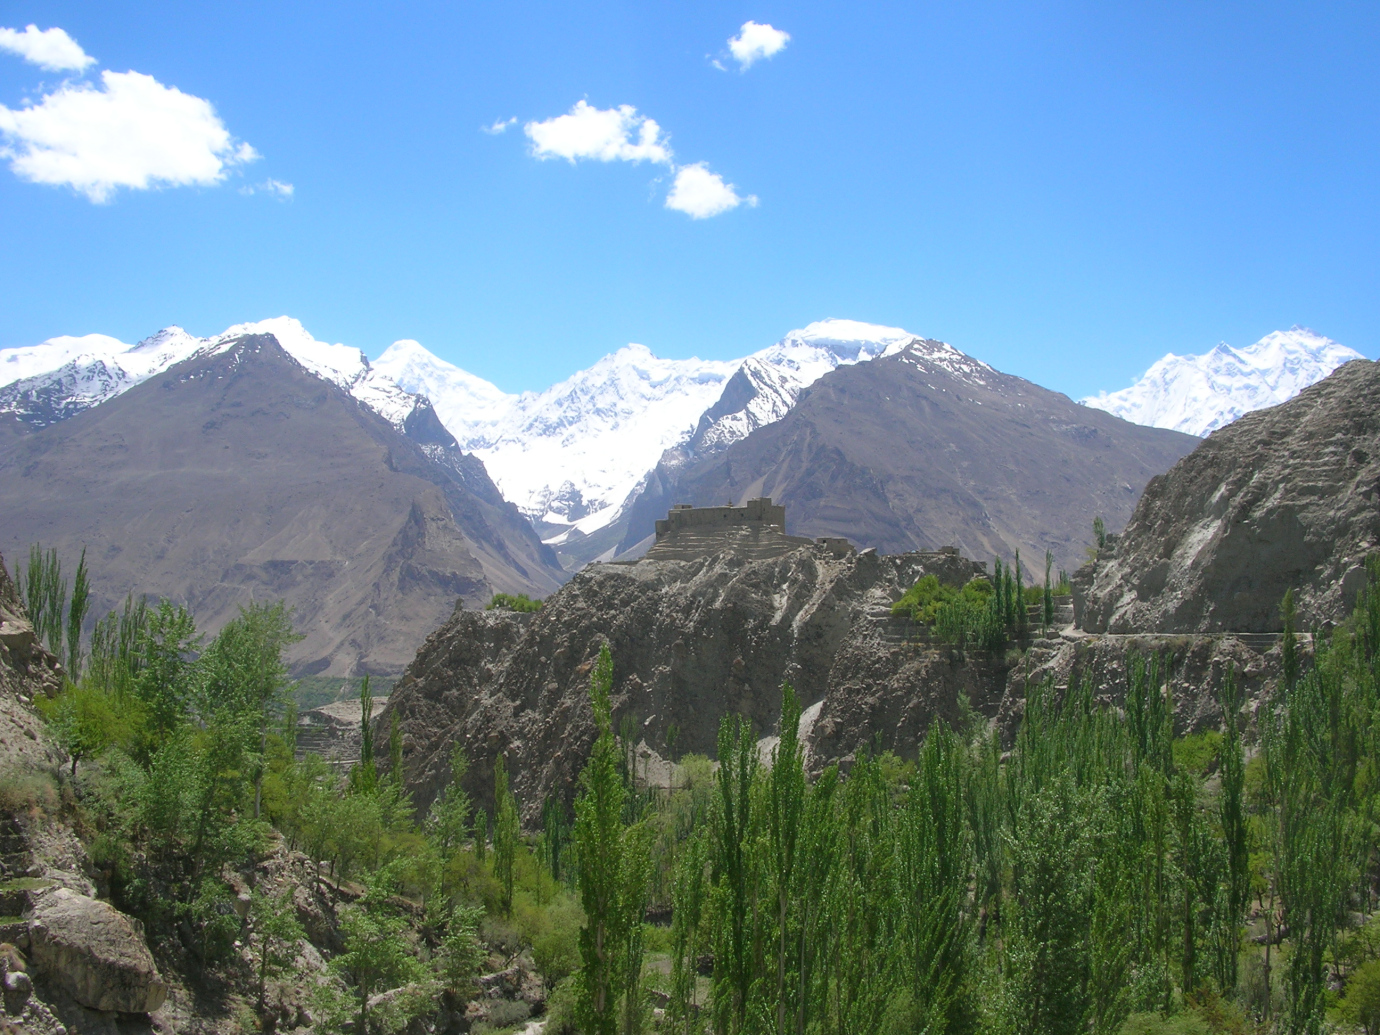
[[926, 447], [1284, 497], [1199, 394], [240, 474], [691, 640]]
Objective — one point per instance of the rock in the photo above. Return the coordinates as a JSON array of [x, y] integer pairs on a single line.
[[95, 952], [1283, 498], [19, 982]]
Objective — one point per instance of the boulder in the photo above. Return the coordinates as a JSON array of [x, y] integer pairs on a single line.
[[95, 952]]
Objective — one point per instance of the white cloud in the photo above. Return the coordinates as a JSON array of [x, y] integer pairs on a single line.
[[755, 42], [50, 49], [700, 193], [605, 135], [498, 126], [132, 132], [280, 190]]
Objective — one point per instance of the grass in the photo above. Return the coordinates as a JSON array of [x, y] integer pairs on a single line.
[[26, 884]]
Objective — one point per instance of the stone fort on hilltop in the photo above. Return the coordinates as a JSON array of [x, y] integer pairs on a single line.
[[756, 530]]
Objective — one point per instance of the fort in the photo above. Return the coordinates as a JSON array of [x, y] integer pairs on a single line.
[[756, 530]]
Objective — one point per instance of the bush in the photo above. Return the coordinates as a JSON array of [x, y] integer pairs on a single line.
[[503, 1013], [29, 792], [1361, 1006], [556, 950], [509, 602], [560, 1009], [1197, 753]]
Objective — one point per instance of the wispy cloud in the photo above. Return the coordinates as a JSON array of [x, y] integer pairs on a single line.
[[604, 135], [130, 131], [50, 49], [755, 42], [276, 188], [498, 126], [701, 194]]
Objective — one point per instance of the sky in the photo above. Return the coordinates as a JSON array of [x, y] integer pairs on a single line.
[[1064, 190]]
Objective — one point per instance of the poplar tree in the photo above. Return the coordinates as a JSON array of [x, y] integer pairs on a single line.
[[598, 842], [505, 832]]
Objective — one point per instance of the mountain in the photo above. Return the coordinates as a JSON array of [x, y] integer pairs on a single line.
[[1199, 394], [1287, 497], [243, 473], [926, 447], [572, 457], [59, 378]]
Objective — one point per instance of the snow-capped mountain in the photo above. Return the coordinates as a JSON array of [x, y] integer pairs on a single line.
[[62, 376], [1199, 394], [573, 455], [768, 383]]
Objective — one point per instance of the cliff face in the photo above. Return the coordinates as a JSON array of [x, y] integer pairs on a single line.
[[691, 641], [1285, 497], [696, 640]]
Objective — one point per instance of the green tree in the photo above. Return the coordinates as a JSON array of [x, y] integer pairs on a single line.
[[364, 776], [274, 927], [600, 842], [505, 832], [378, 953]]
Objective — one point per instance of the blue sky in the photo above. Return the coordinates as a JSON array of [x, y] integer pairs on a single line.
[[1064, 190]]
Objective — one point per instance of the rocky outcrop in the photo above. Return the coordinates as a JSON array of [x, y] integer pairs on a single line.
[[95, 952], [691, 641], [1283, 498], [26, 666]]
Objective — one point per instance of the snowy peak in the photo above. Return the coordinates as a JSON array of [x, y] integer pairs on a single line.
[[850, 340], [575, 452], [62, 376], [927, 354], [465, 404], [769, 382], [1199, 394]]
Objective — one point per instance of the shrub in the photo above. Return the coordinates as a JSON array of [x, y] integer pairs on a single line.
[[503, 1013], [509, 602], [560, 1009], [556, 949]]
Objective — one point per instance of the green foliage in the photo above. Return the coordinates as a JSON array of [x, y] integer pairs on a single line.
[[462, 953], [364, 776], [612, 861], [1100, 532], [1198, 753], [1361, 1006], [44, 593], [511, 602]]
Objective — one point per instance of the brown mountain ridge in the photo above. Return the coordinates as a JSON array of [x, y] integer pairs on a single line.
[[241, 476]]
